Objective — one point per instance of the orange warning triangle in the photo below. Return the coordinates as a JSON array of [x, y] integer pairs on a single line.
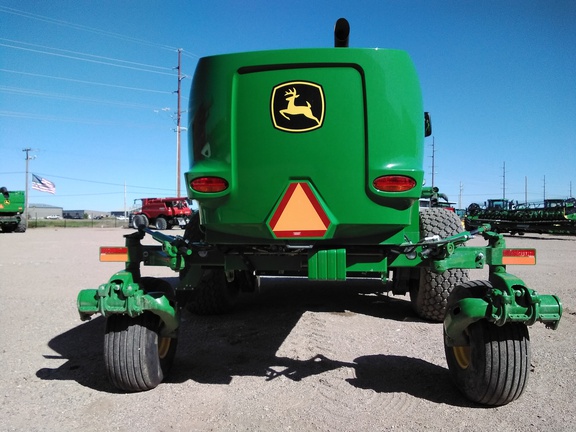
[[299, 214]]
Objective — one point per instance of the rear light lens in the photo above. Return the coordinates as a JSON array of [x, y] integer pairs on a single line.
[[394, 183], [519, 256], [113, 254], [209, 184]]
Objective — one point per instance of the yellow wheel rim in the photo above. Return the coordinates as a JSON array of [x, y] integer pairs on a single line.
[[462, 355], [163, 346]]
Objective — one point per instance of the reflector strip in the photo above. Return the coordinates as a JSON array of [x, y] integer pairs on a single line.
[[113, 254], [519, 257], [299, 214]]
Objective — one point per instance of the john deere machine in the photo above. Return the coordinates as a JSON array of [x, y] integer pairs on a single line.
[[309, 162], [552, 216], [12, 206]]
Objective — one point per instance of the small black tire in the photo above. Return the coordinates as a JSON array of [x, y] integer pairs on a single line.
[[135, 356], [161, 223], [429, 294], [214, 295], [492, 368]]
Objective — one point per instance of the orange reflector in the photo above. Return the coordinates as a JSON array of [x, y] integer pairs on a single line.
[[299, 214], [519, 257], [113, 254], [394, 183], [209, 184]]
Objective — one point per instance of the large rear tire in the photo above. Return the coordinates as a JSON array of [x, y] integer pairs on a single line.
[[161, 223], [430, 291], [139, 220], [214, 294], [493, 367]]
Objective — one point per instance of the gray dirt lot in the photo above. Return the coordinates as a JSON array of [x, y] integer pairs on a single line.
[[298, 357]]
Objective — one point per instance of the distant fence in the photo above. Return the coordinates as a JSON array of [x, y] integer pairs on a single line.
[[77, 223]]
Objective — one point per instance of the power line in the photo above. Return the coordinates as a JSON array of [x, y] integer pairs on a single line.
[[48, 117], [190, 55], [86, 54], [37, 17], [87, 60], [85, 82], [46, 175], [30, 15], [37, 93]]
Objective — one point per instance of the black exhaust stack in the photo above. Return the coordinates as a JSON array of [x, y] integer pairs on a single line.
[[341, 33]]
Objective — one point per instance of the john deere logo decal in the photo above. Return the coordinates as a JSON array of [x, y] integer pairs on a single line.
[[297, 106]]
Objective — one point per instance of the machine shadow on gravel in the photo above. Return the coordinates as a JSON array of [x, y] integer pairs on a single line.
[[214, 349], [84, 354], [402, 374]]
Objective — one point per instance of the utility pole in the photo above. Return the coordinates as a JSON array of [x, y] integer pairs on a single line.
[[504, 181], [460, 196], [28, 158], [544, 187], [526, 190], [433, 160], [178, 117]]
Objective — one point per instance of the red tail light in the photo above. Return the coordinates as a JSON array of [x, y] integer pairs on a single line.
[[394, 183], [519, 256], [113, 254], [209, 184]]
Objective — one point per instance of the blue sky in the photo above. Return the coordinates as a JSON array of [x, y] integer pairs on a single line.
[[89, 86]]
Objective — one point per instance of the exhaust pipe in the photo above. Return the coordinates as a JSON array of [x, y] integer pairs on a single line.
[[341, 33]]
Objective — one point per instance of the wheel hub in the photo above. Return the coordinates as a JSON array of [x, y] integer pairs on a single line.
[[462, 355], [163, 346]]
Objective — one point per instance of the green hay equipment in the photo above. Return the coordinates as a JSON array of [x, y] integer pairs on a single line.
[[12, 205], [310, 163]]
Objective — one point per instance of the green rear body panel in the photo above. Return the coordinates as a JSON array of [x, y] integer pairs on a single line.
[[12, 203], [12, 206], [243, 130]]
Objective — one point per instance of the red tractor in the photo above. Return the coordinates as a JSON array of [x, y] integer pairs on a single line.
[[164, 213]]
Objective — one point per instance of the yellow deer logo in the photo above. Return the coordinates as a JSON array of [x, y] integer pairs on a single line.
[[305, 116], [293, 109]]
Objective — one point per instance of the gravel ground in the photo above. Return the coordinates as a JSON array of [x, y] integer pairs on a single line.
[[300, 356]]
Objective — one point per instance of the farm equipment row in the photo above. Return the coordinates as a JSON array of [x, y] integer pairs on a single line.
[[553, 216]]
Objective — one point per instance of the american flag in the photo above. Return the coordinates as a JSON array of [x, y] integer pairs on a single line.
[[42, 184]]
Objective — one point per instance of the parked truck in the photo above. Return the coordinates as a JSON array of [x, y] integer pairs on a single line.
[[12, 207], [164, 213], [309, 163]]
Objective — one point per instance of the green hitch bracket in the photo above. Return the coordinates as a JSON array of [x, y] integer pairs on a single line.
[[514, 302], [523, 305], [507, 301], [442, 254], [174, 249], [121, 295]]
